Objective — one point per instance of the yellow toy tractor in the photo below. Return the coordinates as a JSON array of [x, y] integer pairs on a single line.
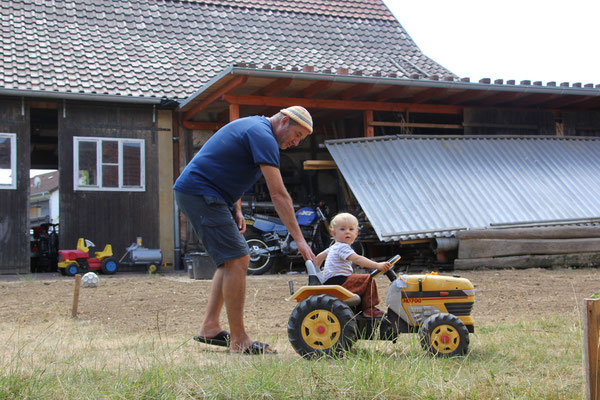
[[327, 319]]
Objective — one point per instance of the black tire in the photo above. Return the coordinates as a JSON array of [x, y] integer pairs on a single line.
[[72, 269], [259, 263], [322, 325], [444, 335], [109, 265]]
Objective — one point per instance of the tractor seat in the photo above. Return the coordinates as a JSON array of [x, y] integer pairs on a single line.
[[81, 245], [315, 277], [107, 252]]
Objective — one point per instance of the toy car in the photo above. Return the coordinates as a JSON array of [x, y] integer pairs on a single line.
[[137, 255], [72, 262], [327, 319]]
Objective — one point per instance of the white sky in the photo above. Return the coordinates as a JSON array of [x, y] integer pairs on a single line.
[[523, 40]]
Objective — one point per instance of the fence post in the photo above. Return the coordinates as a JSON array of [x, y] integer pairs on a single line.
[[591, 347], [76, 295]]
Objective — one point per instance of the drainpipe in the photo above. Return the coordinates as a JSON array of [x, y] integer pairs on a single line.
[[177, 247]]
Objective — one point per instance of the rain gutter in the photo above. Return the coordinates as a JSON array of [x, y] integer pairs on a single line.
[[79, 96]]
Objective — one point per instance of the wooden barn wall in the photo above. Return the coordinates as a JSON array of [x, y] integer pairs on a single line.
[[14, 204], [508, 122], [108, 217], [581, 123]]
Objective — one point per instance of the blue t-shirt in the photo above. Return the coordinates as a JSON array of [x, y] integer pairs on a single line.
[[228, 163]]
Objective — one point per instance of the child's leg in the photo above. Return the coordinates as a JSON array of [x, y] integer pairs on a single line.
[[365, 287]]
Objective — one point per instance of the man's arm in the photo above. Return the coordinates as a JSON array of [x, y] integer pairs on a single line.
[[285, 208]]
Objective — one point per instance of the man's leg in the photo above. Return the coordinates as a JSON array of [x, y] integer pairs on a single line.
[[234, 294], [211, 325]]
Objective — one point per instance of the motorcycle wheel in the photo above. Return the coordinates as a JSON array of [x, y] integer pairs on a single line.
[[259, 263]]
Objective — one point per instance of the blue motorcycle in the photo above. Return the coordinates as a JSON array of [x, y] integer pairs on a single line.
[[268, 239]]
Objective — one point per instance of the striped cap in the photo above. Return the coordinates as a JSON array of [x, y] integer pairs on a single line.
[[300, 115]]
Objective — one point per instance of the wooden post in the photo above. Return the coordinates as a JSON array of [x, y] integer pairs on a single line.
[[591, 347], [76, 295], [234, 112], [368, 120]]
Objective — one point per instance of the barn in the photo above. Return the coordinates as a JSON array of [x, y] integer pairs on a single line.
[[118, 97]]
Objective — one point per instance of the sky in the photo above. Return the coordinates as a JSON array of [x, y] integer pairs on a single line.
[[522, 40]]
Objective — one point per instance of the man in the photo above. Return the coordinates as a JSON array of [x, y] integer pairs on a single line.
[[209, 192]]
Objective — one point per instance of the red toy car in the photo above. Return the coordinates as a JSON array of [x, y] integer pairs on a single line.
[[72, 262]]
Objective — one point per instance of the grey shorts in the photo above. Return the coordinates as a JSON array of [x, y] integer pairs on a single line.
[[213, 222]]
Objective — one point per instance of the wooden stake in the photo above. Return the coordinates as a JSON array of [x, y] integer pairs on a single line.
[[591, 347], [76, 295]]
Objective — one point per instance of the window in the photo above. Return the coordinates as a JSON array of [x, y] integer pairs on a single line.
[[108, 164], [8, 160]]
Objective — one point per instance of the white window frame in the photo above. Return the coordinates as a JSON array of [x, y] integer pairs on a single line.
[[98, 186], [13, 161]]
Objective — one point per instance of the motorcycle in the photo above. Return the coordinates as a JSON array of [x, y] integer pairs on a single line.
[[268, 238]]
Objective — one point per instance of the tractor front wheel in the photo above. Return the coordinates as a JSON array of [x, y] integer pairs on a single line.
[[109, 266], [444, 335], [72, 269], [322, 325]]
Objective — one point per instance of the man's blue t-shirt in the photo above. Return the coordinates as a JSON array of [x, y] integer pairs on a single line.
[[228, 163]]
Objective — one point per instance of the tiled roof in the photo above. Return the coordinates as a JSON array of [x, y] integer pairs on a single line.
[[171, 48], [373, 9], [44, 183]]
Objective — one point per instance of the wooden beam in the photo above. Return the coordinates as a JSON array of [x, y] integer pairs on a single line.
[[319, 164], [534, 99], [234, 112], [462, 97], [227, 88], [274, 87], [416, 125], [355, 91], [428, 94], [566, 101], [368, 120], [203, 126], [341, 104], [315, 88], [500, 98], [393, 92]]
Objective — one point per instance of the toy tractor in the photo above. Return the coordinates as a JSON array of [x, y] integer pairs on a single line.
[[72, 262], [327, 319]]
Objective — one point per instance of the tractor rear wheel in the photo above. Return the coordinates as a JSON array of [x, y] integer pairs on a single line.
[[444, 335], [109, 266], [322, 325]]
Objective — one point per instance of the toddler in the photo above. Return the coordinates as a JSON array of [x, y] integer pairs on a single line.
[[338, 264]]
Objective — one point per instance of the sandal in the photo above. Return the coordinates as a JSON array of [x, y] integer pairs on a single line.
[[220, 339]]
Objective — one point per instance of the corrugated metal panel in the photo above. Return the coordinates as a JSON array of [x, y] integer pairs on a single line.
[[431, 186]]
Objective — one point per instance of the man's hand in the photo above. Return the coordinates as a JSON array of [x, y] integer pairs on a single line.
[[240, 221], [306, 252]]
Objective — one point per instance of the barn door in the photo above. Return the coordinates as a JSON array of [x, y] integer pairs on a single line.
[[14, 186]]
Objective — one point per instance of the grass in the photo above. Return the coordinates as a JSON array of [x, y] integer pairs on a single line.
[[533, 359]]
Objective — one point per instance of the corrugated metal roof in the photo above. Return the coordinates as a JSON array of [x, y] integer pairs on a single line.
[[431, 186]]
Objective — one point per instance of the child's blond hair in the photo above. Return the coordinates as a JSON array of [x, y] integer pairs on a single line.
[[342, 218]]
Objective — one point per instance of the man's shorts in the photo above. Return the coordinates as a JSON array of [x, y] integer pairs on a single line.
[[213, 222]]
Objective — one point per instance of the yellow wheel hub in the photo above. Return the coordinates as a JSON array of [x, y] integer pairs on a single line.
[[444, 339], [321, 329], [152, 268]]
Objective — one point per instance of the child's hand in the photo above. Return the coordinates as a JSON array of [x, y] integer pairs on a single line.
[[384, 266]]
